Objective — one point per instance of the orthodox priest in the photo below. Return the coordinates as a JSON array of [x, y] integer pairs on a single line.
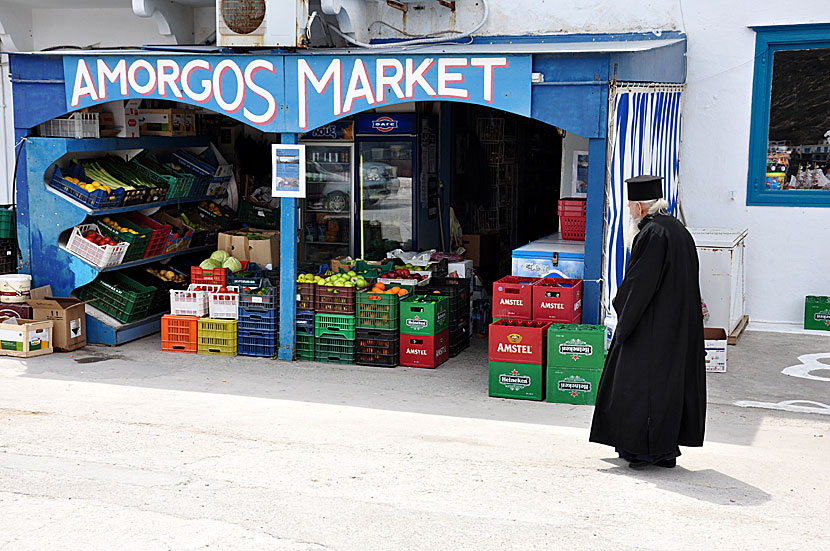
[[652, 394]]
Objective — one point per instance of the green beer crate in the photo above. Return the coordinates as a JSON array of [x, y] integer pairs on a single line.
[[518, 381], [568, 385], [572, 345], [817, 313], [427, 315]]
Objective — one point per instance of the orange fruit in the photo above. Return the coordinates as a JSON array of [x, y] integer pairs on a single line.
[[395, 289], [402, 292], [380, 286]]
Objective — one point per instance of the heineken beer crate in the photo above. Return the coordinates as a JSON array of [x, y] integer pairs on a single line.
[[576, 346], [558, 300], [817, 313], [513, 297], [424, 315], [518, 381], [567, 385], [424, 350], [518, 341]]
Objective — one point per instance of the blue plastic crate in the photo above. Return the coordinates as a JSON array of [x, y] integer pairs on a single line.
[[267, 321], [98, 199], [254, 343], [305, 322]]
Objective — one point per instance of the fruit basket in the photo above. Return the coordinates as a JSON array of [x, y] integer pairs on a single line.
[[334, 299], [377, 348], [306, 296], [216, 276], [119, 296], [121, 229], [377, 310], [87, 242], [259, 299], [178, 184], [193, 301], [223, 305], [93, 198]]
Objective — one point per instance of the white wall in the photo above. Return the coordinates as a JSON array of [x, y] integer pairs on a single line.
[[570, 144], [102, 27], [787, 248]]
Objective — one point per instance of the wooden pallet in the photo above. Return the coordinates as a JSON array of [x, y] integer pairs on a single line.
[[738, 331]]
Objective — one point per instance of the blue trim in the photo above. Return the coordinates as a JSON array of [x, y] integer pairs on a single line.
[[288, 269], [591, 286], [552, 39], [98, 332], [769, 40]]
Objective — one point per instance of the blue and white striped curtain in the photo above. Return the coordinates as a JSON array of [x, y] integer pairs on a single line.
[[645, 139]]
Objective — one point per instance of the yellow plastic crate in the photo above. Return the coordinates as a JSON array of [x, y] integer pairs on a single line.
[[217, 337]]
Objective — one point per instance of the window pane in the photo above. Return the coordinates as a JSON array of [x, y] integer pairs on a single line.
[[799, 127]]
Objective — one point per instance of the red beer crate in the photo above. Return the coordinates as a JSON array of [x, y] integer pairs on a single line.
[[558, 300], [518, 341], [513, 296], [424, 351]]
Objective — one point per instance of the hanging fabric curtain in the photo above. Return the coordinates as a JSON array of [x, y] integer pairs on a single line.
[[644, 137]]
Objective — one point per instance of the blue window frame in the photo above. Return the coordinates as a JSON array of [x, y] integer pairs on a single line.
[[768, 41]]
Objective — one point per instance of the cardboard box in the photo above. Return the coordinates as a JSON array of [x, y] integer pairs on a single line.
[[714, 340], [167, 122], [67, 314], [337, 264], [240, 245], [460, 269], [25, 338], [483, 249], [9, 310]]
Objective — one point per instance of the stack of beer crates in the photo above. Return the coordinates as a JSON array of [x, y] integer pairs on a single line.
[[377, 329], [575, 359], [425, 330], [305, 320], [525, 309], [457, 291], [334, 324], [258, 317]]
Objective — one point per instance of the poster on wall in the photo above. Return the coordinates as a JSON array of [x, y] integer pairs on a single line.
[[580, 174], [288, 171]]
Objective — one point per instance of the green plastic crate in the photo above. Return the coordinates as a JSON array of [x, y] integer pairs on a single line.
[[259, 216], [567, 385], [334, 324], [378, 310], [138, 242], [305, 347], [119, 296], [572, 345], [334, 349], [817, 313], [427, 315], [8, 225], [517, 381], [178, 184]]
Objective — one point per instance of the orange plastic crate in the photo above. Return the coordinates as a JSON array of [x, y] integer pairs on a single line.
[[180, 334]]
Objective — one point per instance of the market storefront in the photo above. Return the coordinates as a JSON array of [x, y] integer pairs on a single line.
[[571, 83]]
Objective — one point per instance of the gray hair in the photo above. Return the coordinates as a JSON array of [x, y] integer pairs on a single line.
[[655, 206]]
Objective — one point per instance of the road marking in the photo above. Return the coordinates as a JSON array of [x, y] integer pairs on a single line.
[[809, 362], [788, 405]]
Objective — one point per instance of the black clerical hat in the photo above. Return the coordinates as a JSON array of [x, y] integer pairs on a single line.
[[645, 188]]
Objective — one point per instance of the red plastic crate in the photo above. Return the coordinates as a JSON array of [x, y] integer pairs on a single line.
[[217, 276], [573, 207], [558, 300], [518, 341], [158, 239], [424, 351], [180, 334], [512, 297], [573, 229]]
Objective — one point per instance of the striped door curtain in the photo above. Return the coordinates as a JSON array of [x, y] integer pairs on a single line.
[[644, 137]]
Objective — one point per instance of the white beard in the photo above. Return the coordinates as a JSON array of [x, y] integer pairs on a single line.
[[631, 231]]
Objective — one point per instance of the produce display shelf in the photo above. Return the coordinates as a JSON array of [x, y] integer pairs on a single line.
[[116, 210], [141, 261]]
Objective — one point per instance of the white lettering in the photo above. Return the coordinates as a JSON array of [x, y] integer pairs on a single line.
[[511, 302], [334, 73], [218, 73], [207, 89], [393, 81], [416, 76], [168, 79], [514, 348], [416, 351], [445, 77], [489, 66], [359, 87], [119, 74], [552, 306], [83, 84], [271, 112], [135, 67]]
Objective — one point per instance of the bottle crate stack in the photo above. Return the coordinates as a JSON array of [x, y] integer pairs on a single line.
[[306, 300], [457, 292], [334, 324], [258, 318], [424, 328], [575, 360], [377, 329]]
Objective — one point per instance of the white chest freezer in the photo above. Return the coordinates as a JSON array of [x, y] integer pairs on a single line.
[[721, 255], [550, 256]]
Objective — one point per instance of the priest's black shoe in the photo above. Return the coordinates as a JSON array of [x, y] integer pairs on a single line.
[[667, 463], [638, 464]]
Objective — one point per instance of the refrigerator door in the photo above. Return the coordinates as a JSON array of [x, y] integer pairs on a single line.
[[386, 172], [327, 213]]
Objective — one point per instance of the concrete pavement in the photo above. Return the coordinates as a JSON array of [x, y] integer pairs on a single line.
[[131, 448]]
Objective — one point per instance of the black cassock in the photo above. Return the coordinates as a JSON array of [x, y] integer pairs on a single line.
[[652, 394]]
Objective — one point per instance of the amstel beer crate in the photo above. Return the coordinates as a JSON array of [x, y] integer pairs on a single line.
[[424, 350], [567, 385], [576, 346], [518, 341], [513, 297], [817, 313], [517, 381], [558, 300], [424, 315]]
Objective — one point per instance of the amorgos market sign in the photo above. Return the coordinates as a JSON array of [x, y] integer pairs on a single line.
[[299, 93]]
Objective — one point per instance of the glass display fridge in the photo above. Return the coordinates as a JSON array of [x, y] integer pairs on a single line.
[[327, 213]]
